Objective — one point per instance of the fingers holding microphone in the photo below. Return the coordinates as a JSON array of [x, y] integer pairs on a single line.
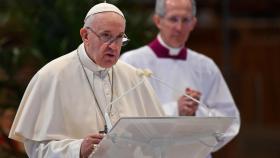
[[186, 105], [89, 144]]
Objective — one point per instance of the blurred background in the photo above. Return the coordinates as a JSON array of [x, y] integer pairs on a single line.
[[241, 36]]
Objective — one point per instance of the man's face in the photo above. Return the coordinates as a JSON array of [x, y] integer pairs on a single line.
[[178, 22], [103, 38]]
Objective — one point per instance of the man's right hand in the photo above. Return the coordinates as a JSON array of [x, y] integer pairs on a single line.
[[89, 144]]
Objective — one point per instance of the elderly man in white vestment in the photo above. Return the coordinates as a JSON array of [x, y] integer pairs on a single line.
[[62, 110], [182, 68]]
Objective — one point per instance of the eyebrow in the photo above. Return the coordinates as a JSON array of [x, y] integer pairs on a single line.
[[106, 31]]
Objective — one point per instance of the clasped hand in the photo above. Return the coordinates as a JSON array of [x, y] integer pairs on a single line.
[[187, 106]]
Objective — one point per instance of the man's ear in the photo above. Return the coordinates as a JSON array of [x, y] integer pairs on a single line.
[[157, 21], [194, 22], [84, 34]]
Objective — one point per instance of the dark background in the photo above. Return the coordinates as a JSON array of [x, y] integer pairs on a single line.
[[241, 36]]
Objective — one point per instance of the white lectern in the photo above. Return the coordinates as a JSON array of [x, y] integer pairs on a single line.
[[162, 137]]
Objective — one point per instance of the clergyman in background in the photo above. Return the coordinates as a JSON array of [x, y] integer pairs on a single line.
[[184, 69]]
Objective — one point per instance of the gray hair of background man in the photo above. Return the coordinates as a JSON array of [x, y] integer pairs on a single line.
[[160, 7]]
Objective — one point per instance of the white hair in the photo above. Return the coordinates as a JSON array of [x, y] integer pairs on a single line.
[[88, 21], [161, 10]]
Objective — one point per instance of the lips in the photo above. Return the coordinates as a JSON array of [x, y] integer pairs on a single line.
[[110, 55]]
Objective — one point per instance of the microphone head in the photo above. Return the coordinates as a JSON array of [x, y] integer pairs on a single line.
[[144, 72]]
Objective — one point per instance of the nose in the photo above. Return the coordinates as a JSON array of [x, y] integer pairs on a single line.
[[116, 40], [113, 44], [179, 25]]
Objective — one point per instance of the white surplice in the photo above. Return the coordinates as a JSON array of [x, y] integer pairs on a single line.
[[197, 72]]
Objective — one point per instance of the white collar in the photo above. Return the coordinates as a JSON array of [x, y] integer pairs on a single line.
[[172, 51], [88, 63]]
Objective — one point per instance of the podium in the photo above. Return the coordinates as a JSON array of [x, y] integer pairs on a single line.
[[162, 137]]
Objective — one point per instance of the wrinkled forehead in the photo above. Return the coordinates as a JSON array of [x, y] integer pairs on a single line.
[[109, 21]]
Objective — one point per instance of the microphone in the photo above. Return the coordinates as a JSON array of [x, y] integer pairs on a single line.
[[139, 72], [149, 73]]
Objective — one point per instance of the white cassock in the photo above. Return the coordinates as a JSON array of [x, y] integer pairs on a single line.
[[180, 71], [59, 109]]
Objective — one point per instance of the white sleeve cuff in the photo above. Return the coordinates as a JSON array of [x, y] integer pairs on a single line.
[[75, 147], [171, 108]]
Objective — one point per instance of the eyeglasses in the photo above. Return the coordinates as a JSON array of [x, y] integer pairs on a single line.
[[109, 39], [176, 19]]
